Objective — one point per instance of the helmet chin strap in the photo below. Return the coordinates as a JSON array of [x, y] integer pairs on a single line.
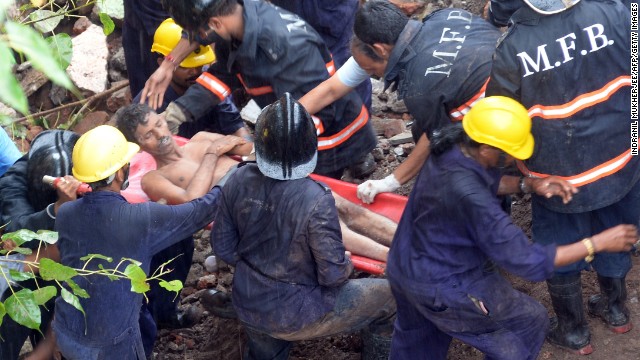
[[125, 183]]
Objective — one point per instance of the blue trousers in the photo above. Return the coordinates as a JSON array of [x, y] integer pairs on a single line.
[[488, 314]]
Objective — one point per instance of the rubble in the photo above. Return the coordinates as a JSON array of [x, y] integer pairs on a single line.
[[88, 67]]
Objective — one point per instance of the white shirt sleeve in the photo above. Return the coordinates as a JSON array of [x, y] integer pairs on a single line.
[[351, 74]]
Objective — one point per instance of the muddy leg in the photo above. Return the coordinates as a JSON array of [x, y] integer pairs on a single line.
[[362, 245], [364, 221]]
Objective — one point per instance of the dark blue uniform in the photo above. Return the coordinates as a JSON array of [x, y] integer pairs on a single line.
[[281, 53], [105, 223], [441, 267], [441, 66]]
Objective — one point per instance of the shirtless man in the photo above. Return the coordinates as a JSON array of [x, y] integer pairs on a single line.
[[185, 173]]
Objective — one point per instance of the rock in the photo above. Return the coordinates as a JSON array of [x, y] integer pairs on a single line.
[[113, 8], [32, 81], [378, 154], [58, 95], [398, 151], [394, 127], [195, 273], [403, 138], [116, 75], [81, 25], [398, 107], [90, 121], [250, 112], [207, 282], [408, 148], [377, 87], [117, 61], [384, 145], [7, 111], [119, 98], [210, 264], [88, 67]]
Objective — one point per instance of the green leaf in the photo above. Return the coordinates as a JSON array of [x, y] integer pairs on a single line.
[[20, 275], [45, 20], [3, 311], [133, 261], [96, 256], [4, 5], [71, 299], [48, 236], [21, 236], [107, 23], [25, 7], [62, 48], [27, 41], [11, 93], [77, 290], [138, 278], [173, 285], [23, 309], [42, 295], [23, 251], [113, 8], [51, 270]]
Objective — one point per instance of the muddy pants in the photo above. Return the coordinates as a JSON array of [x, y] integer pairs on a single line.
[[488, 314], [361, 303]]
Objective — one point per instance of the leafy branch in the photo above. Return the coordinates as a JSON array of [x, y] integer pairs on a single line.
[[23, 306]]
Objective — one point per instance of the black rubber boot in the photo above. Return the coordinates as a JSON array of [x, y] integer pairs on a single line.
[[218, 303], [609, 305], [569, 328], [363, 167]]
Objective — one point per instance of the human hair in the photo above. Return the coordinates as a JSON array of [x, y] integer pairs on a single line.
[[193, 14], [448, 136], [365, 49], [379, 21], [129, 117]]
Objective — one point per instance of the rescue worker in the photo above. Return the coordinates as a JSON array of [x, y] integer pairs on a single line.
[[291, 278], [269, 51], [453, 235], [103, 222], [333, 20], [224, 118], [568, 64], [141, 19], [28, 203], [438, 77]]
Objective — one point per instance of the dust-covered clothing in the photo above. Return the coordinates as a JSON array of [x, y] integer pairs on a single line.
[[455, 231], [292, 275], [441, 66], [105, 223], [281, 53], [284, 239], [571, 71]]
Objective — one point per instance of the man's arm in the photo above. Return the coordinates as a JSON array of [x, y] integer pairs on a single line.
[[156, 85], [341, 83], [236, 145]]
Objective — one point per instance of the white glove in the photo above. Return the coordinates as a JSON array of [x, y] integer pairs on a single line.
[[370, 188], [175, 116]]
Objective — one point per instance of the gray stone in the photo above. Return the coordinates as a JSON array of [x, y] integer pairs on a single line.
[[117, 61], [402, 138], [88, 67], [398, 107], [398, 151], [58, 95], [32, 81]]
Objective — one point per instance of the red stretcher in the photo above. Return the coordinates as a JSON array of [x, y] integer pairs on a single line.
[[386, 204]]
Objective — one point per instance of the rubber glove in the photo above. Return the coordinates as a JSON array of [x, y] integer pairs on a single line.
[[175, 116], [368, 190]]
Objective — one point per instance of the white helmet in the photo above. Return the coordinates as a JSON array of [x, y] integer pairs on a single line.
[[548, 7]]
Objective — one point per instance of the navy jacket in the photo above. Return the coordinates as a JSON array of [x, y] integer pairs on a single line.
[[105, 223], [284, 239], [441, 66], [281, 53], [453, 225], [572, 71]]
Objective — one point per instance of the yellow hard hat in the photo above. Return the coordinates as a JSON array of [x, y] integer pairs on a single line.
[[501, 122], [167, 37], [100, 152]]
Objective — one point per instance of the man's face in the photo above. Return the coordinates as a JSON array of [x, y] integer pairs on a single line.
[[154, 136], [372, 67], [184, 77]]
